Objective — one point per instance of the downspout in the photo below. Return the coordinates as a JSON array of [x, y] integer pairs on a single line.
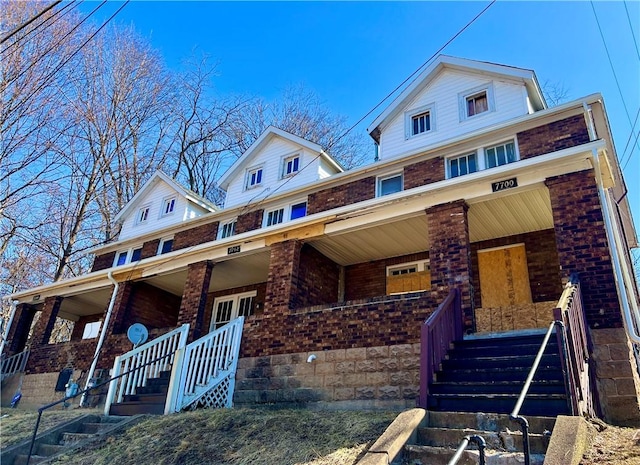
[[5, 330], [103, 334]]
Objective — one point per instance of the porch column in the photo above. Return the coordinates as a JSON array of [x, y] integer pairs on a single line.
[[282, 282], [44, 325], [19, 331], [194, 298], [120, 306], [450, 254], [582, 247]]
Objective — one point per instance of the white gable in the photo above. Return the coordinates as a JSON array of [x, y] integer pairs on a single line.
[[270, 154], [161, 202]]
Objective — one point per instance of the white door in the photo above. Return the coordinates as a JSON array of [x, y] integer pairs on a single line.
[[230, 307]]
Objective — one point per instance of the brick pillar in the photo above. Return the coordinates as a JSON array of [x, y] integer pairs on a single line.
[[19, 331], [282, 282], [582, 247], [44, 325], [581, 242], [194, 298], [450, 254]]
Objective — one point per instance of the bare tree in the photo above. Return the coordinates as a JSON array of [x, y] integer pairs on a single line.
[[554, 92]]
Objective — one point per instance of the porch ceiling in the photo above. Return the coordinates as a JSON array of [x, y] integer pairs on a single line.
[[498, 215], [84, 304]]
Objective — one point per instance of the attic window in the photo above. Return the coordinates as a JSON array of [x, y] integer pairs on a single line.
[[476, 101], [291, 165], [143, 214], [169, 205], [419, 121], [254, 178]]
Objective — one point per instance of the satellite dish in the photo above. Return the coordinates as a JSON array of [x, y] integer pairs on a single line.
[[138, 334]]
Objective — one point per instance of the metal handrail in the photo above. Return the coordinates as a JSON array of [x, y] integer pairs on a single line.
[[79, 393], [479, 440], [515, 414], [443, 327]]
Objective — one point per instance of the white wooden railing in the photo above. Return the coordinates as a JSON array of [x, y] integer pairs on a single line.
[[151, 358], [204, 372], [14, 364]]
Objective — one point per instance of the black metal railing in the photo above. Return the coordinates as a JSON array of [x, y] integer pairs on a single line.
[[479, 440], [79, 393]]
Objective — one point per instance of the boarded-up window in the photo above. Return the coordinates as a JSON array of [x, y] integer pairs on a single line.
[[504, 277], [409, 277]]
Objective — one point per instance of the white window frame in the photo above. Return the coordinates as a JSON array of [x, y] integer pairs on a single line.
[[161, 245], [457, 157], [408, 120], [420, 265], [142, 217], [286, 212], [128, 255], [382, 178], [481, 159], [166, 202], [224, 225], [463, 96], [285, 164], [235, 301], [91, 330], [250, 172]]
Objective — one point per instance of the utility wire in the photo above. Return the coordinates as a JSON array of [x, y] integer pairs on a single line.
[[375, 107], [624, 152], [47, 20], [59, 67], [19, 28], [46, 52], [635, 43]]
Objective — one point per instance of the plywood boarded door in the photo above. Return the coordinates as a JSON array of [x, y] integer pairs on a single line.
[[504, 277]]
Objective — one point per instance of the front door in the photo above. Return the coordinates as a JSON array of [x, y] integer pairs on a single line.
[[504, 277], [230, 307]]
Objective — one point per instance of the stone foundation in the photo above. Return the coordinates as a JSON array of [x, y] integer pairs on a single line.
[[616, 376], [37, 390], [385, 377]]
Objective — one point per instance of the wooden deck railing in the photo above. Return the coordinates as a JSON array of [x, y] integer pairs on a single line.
[[437, 333], [578, 346]]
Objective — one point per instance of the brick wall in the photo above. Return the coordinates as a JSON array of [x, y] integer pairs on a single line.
[[451, 254], [364, 377], [318, 279], [582, 247], [150, 249], [104, 261], [366, 280], [194, 236], [151, 306], [194, 298], [78, 326], [542, 263], [19, 331], [424, 172], [282, 280], [558, 135], [339, 196], [388, 320], [249, 221], [54, 357], [44, 326], [261, 290]]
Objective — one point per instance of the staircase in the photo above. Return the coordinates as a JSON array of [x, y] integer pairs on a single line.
[[62, 439], [486, 374], [436, 442], [149, 399]]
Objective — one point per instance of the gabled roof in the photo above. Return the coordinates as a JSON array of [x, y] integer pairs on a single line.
[[268, 134], [460, 64], [151, 183]]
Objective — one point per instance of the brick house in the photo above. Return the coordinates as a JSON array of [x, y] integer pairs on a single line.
[[476, 185]]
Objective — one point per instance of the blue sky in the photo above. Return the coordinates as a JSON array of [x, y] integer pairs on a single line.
[[352, 54]]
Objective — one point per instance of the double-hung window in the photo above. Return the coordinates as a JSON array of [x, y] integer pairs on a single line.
[[254, 177], [390, 184], [462, 165], [476, 101], [500, 154], [419, 121], [165, 246], [128, 256], [143, 214], [484, 158], [168, 206], [290, 165]]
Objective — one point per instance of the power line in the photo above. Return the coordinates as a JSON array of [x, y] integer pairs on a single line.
[[624, 152], [455, 36], [19, 28], [47, 20], [635, 43]]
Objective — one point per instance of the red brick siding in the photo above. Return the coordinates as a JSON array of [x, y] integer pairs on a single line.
[[78, 326], [117, 323], [151, 306], [582, 245], [318, 279], [388, 320], [451, 252], [542, 263], [249, 221], [282, 280], [339, 196], [19, 331], [150, 249], [424, 172], [558, 135], [104, 261], [194, 236], [261, 290], [369, 279], [194, 298], [44, 325], [54, 357]]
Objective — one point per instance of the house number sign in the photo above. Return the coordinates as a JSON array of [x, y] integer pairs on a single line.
[[234, 249], [503, 185]]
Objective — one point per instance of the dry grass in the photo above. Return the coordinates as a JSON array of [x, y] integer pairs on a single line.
[[241, 437], [614, 445], [17, 425]]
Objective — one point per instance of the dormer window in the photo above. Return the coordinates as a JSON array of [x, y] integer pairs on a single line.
[[419, 121], [254, 177], [476, 101], [291, 165], [168, 206], [143, 214]]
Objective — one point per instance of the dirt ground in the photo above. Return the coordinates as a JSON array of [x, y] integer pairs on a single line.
[[614, 445]]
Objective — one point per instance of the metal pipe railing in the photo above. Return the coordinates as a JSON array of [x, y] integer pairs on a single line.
[[479, 440]]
